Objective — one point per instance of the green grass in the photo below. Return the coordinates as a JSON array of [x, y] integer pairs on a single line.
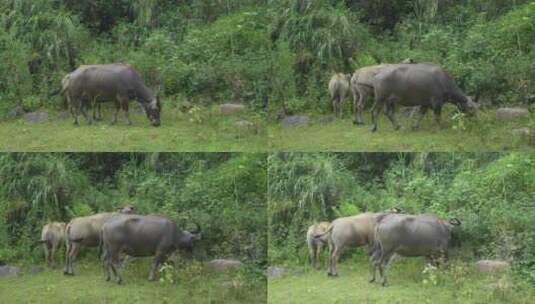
[[483, 133], [206, 130], [458, 284], [88, 286]]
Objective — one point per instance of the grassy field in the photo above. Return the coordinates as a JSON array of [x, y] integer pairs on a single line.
[[204, 130], [407, 284], [88, 286], [483, 133]]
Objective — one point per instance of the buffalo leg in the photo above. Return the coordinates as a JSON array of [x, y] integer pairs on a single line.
[[317, 260], [333, 101], [360, 107], [374, 260], [437, 111], [124, 104], [67, 253], [105, 265], [47, 253], [113, 263], [390, 114], [53, 253], [385, 259], [376, 110], [75, 248], [117, 108], [334, 259], [158, 259], [422, 112], [311, 255]]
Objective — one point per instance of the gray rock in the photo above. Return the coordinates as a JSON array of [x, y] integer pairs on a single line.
[[231, 108], [16, 112], [276, 272], [492, 266], [63, 115], [36, 117], [185, 106], [9, 271], [244, 125], [222, 265], [295, 121], [35, 269], [506, 114], [521, 132], [327, 119]]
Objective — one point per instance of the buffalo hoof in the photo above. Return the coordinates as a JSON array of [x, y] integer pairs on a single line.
[[383, 284], [358, 123], [372, 281], [373, 129], [68, 273]]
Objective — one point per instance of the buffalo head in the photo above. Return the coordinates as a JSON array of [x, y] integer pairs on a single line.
[[469, 107], [187, 238], [152, 109]]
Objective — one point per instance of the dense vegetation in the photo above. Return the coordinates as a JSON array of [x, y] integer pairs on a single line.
[[203, 52], [492, 194], [224, 193], [485, 44]]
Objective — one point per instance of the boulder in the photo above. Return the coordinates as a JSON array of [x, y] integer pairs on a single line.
[[295, 121], [326, 119], [16, 112], [222, 265], [231, 108], [63, 115], [9, 271], [507, 114], [36, 117], [521, 132], [245, 126], [185, 106], [35, 269], [492, 266], [276, 272]]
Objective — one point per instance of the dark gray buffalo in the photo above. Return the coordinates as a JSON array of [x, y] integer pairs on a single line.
[[141, 236], [410, 236], [90, 85], [421, 84]]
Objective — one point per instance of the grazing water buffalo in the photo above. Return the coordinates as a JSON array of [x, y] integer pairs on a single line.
[[93, 84], [338, 89], [315, 245], [86, 231], [52, 236], [421, 84], [354, 231], [141, 236], [362, 86], [409, 236]]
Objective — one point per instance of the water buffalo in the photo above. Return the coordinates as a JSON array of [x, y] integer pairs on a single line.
[[362, 86], [86, 231], [354, 231], [421, 84], [315, 245], [93, 84], [52, 236], [338, 89], [409, 236], [141, 236]]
